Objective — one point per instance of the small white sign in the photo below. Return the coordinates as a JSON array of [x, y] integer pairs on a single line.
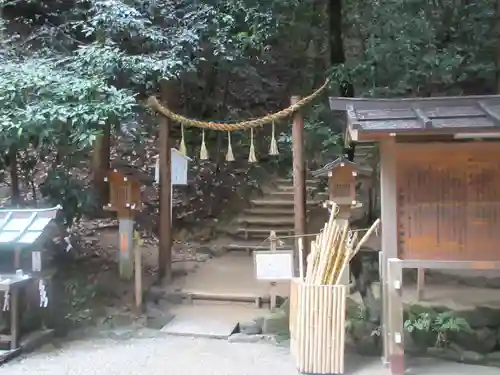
[[36, 261], [273, 265], [179, 168]]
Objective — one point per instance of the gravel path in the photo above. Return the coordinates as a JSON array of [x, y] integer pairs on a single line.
[[170, 355], [156, 356]]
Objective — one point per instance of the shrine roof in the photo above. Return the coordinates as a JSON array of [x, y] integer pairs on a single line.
[[131, 171], [371, 119], [339, 162], [24, 226]]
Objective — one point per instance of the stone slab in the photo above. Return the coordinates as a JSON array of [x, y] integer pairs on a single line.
[[214, 320], [200, 327]]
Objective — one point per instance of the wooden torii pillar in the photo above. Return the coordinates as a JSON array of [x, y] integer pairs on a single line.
[[299, 183]]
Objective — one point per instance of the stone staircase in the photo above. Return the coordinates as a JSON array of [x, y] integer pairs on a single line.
[[272, 211]]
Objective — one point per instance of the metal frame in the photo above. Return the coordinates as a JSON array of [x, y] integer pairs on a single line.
[[393, 322]]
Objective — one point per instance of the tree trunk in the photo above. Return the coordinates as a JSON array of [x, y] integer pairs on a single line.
[[337, 54], [497, 37], [100, 165], [14, 177]]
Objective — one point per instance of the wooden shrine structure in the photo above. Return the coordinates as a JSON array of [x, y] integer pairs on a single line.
[[25, 279], [440, 190], [125, 198]]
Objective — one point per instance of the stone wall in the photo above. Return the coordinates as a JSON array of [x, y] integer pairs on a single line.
[[479, 346]]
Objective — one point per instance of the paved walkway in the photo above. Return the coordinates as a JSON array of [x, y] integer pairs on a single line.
[[168, 355]]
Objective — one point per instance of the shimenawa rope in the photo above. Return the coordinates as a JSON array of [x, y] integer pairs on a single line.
[[268, 119]]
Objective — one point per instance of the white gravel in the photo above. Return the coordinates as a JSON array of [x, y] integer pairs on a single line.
[[170, 355], [156, 356]]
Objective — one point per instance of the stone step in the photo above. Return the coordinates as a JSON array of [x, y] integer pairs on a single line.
[[262, 233], [282, 202], [289, 182], [288, 194], [250, 246], [190, 296], [275, 211], [266, 220], [309, 188]]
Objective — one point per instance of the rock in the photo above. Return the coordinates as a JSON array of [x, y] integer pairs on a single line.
[[457, 354], [155, 293], [147, 333], [251, 328], [159, 322], [364, 337], [205, 250], [182, 235], [157, 318], [482, 340], [411, 346], [284, 305], [493, 357], [353, 308], [121, 334], [276, 323], [424, 339], [468, 356], [48, 348], [121, 320], [481, 317], [241, 337], [203, 257], [204, 234], [444, 353], [175, 298]]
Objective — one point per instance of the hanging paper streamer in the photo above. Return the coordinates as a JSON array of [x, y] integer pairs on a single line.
[[203, 150], [6, 301], [229, 154], [67, 241], [44, 299], [182, 146], [273, 148], [251, 156]]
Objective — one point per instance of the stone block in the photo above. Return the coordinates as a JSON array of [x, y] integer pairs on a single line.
[[482, 340], [253, 327], [276, 323], [493, 358], [285, 307], [243, 338]]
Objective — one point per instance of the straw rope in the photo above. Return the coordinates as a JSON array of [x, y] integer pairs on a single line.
[[230, 127]]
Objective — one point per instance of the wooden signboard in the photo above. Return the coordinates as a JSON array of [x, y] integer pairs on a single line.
[[448, 201], [273, 265]]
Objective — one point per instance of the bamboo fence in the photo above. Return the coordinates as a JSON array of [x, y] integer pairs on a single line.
[[318, 300]]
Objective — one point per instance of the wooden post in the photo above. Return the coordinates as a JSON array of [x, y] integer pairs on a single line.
[[138, 271], [272, 294], [388, 197], [420, 284], [14, 318], [395, 318], [299, 180], [165, 245], [126, 233]]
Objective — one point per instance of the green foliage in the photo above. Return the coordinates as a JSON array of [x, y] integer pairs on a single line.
[[359, 318], [405, 48], [70, 69], [41, 98], [59, 187], [79, 295], [440, 324]]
